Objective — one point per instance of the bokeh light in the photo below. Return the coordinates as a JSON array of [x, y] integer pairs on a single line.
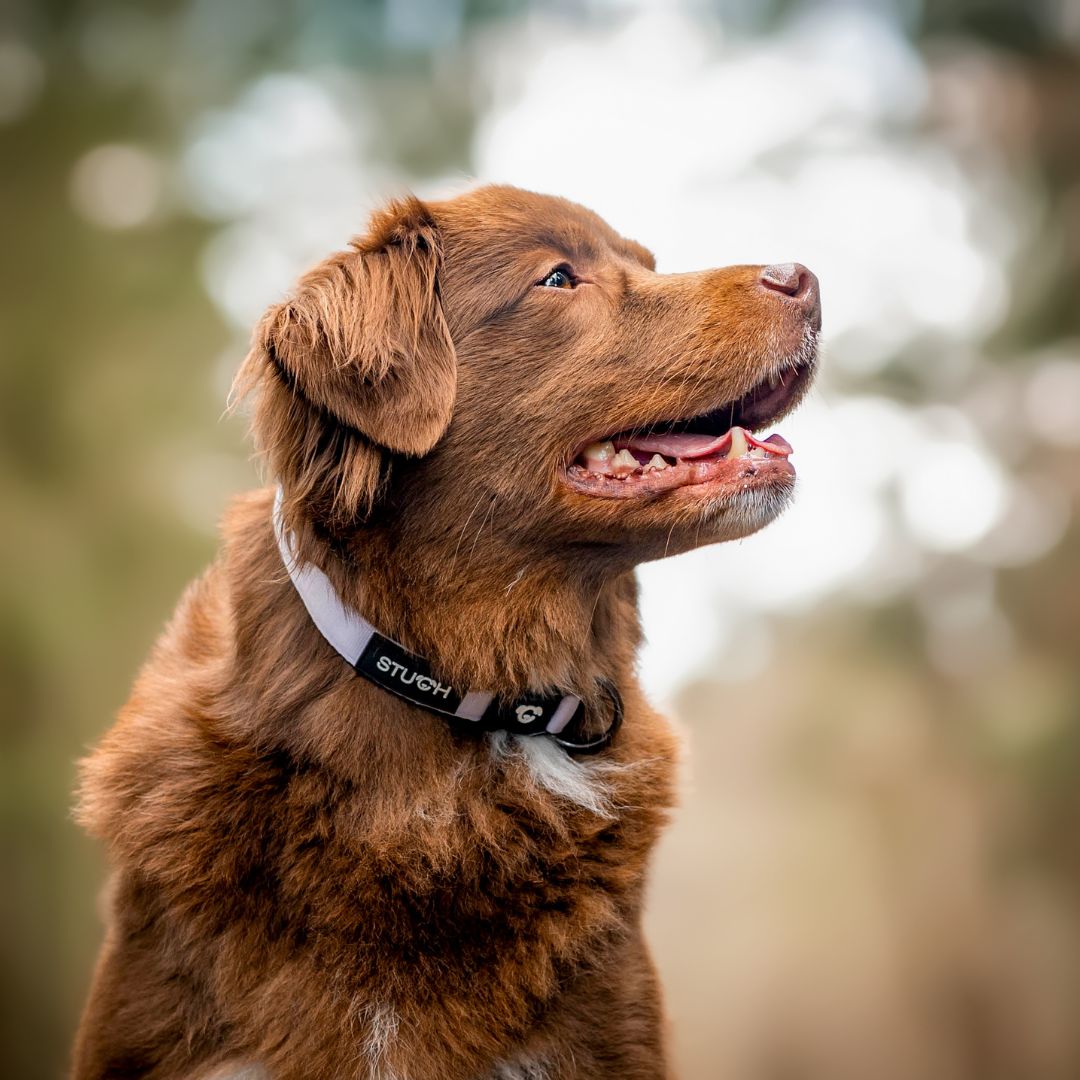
[[116, 187]]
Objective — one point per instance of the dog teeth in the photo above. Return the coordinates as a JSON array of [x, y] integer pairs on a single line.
[[757, 452], [623, 464], [599, 457], [655, 462], [739, 445]]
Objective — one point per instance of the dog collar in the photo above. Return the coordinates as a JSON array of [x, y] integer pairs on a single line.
[[392, 667]]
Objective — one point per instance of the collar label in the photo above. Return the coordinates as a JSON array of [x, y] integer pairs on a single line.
[[393, 668]]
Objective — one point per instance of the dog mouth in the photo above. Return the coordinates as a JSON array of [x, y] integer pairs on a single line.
[[716, 446]]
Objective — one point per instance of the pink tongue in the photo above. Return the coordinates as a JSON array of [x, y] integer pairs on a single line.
[[676, 446], [687, 446], [779, 443]]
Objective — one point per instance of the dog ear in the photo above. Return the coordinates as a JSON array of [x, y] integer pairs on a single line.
[[357, 363]]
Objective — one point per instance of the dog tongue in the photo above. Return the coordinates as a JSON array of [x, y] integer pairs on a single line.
[[686, 446], [676, 446]]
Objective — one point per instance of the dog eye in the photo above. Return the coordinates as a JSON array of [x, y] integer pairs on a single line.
[[562, 277]]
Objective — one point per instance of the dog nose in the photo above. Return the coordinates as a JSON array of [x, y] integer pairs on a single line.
[[794, 280]]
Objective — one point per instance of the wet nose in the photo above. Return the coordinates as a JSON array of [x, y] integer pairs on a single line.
[[794, 280]]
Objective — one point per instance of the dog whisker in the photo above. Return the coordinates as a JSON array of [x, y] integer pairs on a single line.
[[461, 534]]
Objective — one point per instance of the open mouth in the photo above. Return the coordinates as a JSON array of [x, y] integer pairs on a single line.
[[719, 445]]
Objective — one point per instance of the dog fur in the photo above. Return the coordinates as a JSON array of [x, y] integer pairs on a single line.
[[313, 878]]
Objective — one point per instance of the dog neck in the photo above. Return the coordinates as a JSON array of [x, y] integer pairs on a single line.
[[504, 623]]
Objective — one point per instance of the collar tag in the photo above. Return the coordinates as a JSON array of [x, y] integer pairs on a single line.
[[393, 668]]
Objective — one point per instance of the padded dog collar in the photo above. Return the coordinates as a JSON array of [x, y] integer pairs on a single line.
[[392, 667]]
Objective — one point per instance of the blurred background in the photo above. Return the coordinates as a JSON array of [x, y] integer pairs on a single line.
[[875, 873]]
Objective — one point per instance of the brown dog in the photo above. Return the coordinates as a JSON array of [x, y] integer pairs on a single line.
[[481, 417]]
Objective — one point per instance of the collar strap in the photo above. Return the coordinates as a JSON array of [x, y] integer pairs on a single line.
[[392, 667]]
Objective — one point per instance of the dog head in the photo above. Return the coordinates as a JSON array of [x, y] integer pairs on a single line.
[[510, 352]]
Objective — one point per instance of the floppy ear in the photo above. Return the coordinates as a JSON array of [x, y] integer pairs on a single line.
[[357, 363]]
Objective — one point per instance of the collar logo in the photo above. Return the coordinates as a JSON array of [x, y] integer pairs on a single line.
[[526, 714], [424, 683]]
